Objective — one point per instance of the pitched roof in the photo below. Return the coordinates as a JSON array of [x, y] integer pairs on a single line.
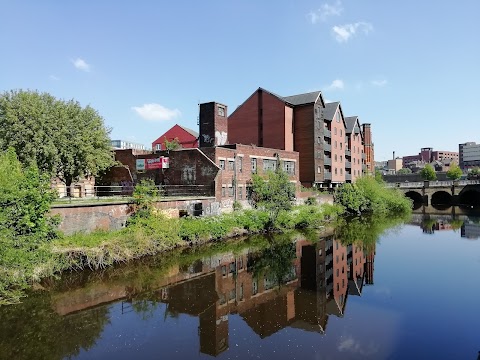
[[302, 99], [350, 123], [293, 100], [330, 110], [190, 131]]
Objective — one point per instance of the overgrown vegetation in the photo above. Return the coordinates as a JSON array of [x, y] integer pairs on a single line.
[[367, 195], [25, 227], [274, 194]]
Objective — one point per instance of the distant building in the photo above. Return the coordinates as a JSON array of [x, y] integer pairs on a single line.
[[469, 154], [187, 138], [394, 165], [428, 155], [124, 144]]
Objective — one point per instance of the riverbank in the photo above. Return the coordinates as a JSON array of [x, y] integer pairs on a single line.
[[32, 252], [147, 234]]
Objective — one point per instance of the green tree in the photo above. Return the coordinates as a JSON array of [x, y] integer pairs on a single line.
[[172, 145], [378, 176], [454, 172], [275, 193], [428, 173], [63, 138], [404, 171]]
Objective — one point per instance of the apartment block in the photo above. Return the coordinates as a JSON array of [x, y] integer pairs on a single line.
[[469, 155]]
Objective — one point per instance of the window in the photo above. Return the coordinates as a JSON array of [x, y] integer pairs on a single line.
[[223, 191], [158, 147], [336, 171], [253, 162], [240, 164], [231, 165], [337, 116], [341, 158], [240, 193], [335, 144], [319, 169], [341, 171], [231, 294], [269, 165], [319, 140], [222, 164], [335, 157], [255, 287], [230, 191], [341, 132], [289, 167], [341, 145], [335, 131], [221, 110]]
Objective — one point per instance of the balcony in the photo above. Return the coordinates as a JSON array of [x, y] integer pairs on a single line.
[[364, 167], [348, 165], [348, 153], [327, 175], [348, 177], [364, 156], [328, 161], [327, 133], [327, 147]]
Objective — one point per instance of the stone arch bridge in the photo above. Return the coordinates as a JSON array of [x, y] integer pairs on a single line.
[[463, 192]]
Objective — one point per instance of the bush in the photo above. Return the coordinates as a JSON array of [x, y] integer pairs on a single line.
[[367, 195]]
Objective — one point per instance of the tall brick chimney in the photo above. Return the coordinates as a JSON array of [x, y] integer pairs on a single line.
[[213, 124]]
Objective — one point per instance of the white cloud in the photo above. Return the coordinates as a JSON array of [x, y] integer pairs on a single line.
[[336, 84], [379, 83], [325, 11], [81, 64], [54, 78], [156, 112], [345, 32]]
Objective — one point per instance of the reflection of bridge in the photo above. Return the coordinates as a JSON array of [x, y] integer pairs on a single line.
[[464, 192]]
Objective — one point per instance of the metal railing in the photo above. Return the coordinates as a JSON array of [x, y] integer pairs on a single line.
[[126, 191], [447, 183]]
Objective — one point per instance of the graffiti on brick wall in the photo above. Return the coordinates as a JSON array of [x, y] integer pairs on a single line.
[[189, 175], [207, 138], [220, 137], [212, 209]]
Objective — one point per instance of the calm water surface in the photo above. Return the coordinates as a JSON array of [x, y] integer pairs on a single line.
[[410, 292]]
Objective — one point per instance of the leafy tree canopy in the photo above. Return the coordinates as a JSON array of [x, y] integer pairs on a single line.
[[404, 171], [428, 173], [454, 172], [63, 138]]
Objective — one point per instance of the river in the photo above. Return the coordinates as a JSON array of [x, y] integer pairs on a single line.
[[367, 290]]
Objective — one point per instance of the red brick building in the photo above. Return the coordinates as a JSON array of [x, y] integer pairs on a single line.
[[303, 123], [185, 136], [238, 162]]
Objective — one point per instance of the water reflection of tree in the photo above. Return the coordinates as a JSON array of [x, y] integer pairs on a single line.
[[32, 330], [365, 231], [276, 261]]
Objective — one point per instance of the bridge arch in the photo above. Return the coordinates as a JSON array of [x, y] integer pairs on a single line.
[[441, 198], [415, 196], [469, 196]]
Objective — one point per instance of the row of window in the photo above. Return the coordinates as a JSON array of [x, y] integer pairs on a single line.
[[268, 165]]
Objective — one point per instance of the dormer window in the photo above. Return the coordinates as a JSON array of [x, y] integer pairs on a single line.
[[221, 110]]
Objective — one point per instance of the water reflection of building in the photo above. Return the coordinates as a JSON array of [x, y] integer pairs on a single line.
[[314, 286], [470, 230]]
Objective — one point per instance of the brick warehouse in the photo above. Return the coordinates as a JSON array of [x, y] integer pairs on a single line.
[[305, 123]]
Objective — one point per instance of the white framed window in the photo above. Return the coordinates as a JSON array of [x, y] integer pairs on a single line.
[[158, 147]]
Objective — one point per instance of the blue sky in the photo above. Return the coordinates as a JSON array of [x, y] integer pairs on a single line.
[[410, 68]]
